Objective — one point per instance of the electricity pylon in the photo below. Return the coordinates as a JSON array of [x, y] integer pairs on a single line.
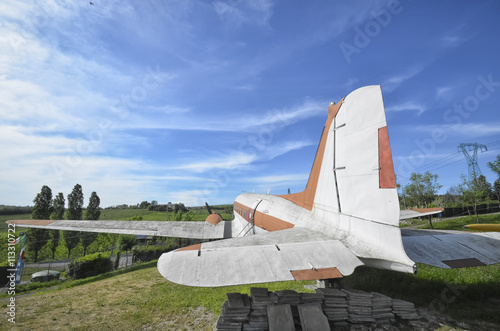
[[465, 148]]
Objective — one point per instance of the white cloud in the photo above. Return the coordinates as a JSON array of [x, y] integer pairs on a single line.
[[229, 162], [470, 130], [239, 12], [407, 106], [443, 91], [273, 151], [280, 178], [181, 118], [248, 155], [280, 117], [392, 83]]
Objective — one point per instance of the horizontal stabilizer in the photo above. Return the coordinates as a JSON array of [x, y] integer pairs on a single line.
[[193, 230], [292, 254], [452, 249], [420, 212]]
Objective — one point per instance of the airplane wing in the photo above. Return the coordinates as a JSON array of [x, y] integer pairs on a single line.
[[194, 230], [292, 254], [451, 249], [418, 212]]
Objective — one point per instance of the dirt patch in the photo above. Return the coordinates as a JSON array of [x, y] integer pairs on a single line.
[[191, 319], [431, 320]]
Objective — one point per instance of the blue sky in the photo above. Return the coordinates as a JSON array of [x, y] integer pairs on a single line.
[[192, 101]]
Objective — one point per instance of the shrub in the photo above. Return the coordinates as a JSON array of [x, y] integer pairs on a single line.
[[90, 265], [145, 254], [117, 260]]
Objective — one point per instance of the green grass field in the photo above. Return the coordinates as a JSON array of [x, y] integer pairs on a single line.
[[3, 218], [134, 299], [458, 223], [139, 298]]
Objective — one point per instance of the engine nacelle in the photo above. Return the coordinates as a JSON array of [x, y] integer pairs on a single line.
[[214, 219]]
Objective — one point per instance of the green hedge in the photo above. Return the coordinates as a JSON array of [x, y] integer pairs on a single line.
[[90, 265], [146, 254]]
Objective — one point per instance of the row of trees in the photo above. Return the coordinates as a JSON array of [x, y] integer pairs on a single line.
[[46, 208], [423, 189], [153, 206]]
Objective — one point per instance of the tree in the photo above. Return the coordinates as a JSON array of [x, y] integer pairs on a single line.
[[37, 238], [71, 238], [451, 197], [93, 210], [54, 242], [74, 212], [93, 213], [58, 207], [495, 166], [75, 203], [496, 190], [180, 207], [422, 189], [113, 238], [473, 193], [57, 214], [43, 204], [126, 242], [482, 185], [144, 205]]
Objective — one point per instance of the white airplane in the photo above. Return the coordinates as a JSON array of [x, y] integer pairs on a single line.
[[347, 216]]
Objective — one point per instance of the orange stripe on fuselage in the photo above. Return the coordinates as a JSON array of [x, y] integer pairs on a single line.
[[305, 199], [261, 220]]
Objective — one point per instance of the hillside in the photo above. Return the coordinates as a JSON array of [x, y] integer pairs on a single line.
[[142, 300], [139, 298]]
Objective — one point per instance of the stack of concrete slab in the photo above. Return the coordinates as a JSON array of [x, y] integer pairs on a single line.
[[382, 308], [311, 298], [224, 325], [288, 297], [312, 318], [234, 312], [289, 310], [261, 298], [335, 305], [257, 321], [280, 318], [292, 298], [404, 309], [359, 306]]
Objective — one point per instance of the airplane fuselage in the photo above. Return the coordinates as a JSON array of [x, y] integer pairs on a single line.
[[260, 213]]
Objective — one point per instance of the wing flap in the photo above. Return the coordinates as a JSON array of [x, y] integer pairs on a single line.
[[451, 249], [194, 230], [259, 258]]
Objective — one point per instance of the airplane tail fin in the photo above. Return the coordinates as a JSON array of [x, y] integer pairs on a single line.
[[353, 172]]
